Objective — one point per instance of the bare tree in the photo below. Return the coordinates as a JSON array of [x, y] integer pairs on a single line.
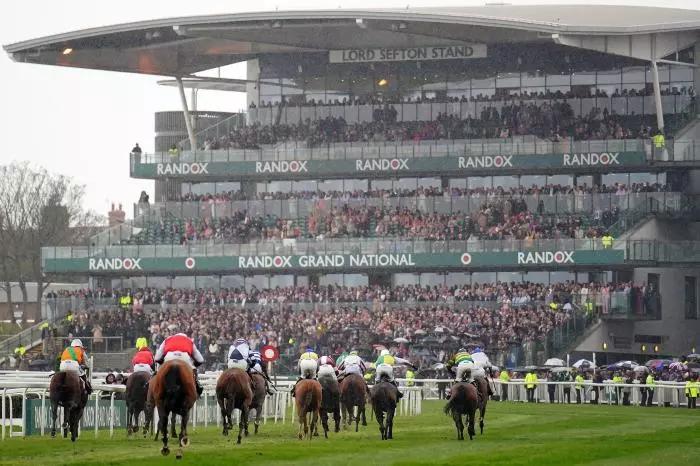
[[37, 209]]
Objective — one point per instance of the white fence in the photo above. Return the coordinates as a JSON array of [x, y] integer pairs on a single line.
[[20, 387]]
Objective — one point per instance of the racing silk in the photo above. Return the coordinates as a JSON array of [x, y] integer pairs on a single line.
[[256, 362], [76, 354], [142, 356], [308, 355], [182, 343], [353, 360], [239, 352], [391, 360], [327, 361], [458, 359]]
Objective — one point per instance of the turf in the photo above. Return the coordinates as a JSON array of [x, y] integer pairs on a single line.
[[515, 434]]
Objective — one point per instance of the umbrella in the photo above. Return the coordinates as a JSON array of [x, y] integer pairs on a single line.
[[439, 330], [419, 332], [623, 365], [560, 369], [640, 369], [658, 364], [692, 356], [678, 366], [480, 358], [554, 362], [400, 340], [437, 366], [583, 363]]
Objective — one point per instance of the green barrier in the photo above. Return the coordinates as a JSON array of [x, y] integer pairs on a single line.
[[101, 414], [398, 166], [463, 261]]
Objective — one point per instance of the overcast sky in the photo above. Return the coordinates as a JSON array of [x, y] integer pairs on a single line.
[[83, 123]]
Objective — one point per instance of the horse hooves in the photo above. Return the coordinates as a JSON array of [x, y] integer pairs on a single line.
[[53, 434], [178, 455], [364, 423], [316, 434], [185, 442], [165, 451]]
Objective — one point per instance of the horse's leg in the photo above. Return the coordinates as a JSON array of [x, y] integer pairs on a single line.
[[75, 415], [163, 420], [314, 422], [54, 416], [379, 414], [362, 410], [357, 418], [258, 416], [243, 424], [224, 413], [482, 415], [173, 423], [324, 421], [183, 438], [470, 429], [390, 423], [302, 422], [66, 423], [336, 417], [458, 424]]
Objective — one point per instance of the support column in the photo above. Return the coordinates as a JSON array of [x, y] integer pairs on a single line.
[[186, 112], [657, 96]]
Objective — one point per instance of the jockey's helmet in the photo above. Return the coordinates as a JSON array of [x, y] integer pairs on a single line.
[[76, 343], [309, 349], [353, 353], [241, 341], [141, 342], [384, 352], [462, 350]]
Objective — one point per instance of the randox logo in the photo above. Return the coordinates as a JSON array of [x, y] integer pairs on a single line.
[[264, 262], [546, 257], [592, 158], [194, 168], [115, 263], [486, 161], [381, 165], [283, 166]]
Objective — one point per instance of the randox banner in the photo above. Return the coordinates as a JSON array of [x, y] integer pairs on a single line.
[[395, 166], [389, 262], [35, 414]]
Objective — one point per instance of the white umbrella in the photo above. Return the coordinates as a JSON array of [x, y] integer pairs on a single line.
[[400, 340], [640, 369], [583, 362], [420, 331], [554, 362], [560, 369]]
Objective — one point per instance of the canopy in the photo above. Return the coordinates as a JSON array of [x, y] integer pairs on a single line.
[[554, 362]]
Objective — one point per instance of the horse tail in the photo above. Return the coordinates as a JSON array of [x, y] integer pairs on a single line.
[[306, 402], [449, 407], [172, 380], [61, 384]]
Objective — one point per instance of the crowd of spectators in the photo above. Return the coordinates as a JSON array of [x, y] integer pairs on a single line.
[[334, 318], [553, 121], [620, 189], [498, 218], [524, 95]]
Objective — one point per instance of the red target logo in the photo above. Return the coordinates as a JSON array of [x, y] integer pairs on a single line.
[[190, 263], [269, 353], [466, 258]]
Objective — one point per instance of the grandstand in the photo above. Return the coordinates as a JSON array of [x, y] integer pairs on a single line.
[[491, 175]]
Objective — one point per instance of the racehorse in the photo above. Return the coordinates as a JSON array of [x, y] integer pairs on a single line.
[[353, 392], [307, 395], [330, 402], [233, 391], [174, 393], [259, 394], [136, 401], [484, 391], [464, 400], [384, 397], [66, 390]]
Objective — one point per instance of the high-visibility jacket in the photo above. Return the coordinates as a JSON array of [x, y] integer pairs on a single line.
[[607, 241], [530, 380], [504, 377], [125, 301], [659, 141], [650, 381], [579, 381], [692, 389], [143, 356], [74, 353], [410, 378], [617, 379], [20, 350], [553, 306]]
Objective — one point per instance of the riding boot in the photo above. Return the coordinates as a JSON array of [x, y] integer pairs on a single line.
[[88, 385], [268, 389], [198, 385], [295, 386]]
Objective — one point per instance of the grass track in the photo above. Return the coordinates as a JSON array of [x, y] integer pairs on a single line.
[[515, 434]]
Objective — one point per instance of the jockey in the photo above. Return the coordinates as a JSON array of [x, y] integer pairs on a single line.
[[308, 365], [464, 364], [385, 367], [352, 364], [482, 363], [326, 367], [74, 359], [239, 355], [258, 366], [143, 359], [180, 346]]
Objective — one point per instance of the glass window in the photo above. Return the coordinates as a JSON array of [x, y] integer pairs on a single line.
[[457, 279], [183, 282], [612, 178], [508, 80], [158, 282], [536, 277], [479, 182], [432, 279], [207, 281], [282, 281], [583, 78], [563, 180], [458, 183], [533, 180], [506, 182], [613, 77], [508, 277], [257, 281], [643, 178], [484, 277], [554, 80], [559, 277], [532, 80], [406, 279], [232, 281], [634, 75]]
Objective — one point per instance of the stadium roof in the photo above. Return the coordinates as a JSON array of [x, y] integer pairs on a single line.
[[186, 45]]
